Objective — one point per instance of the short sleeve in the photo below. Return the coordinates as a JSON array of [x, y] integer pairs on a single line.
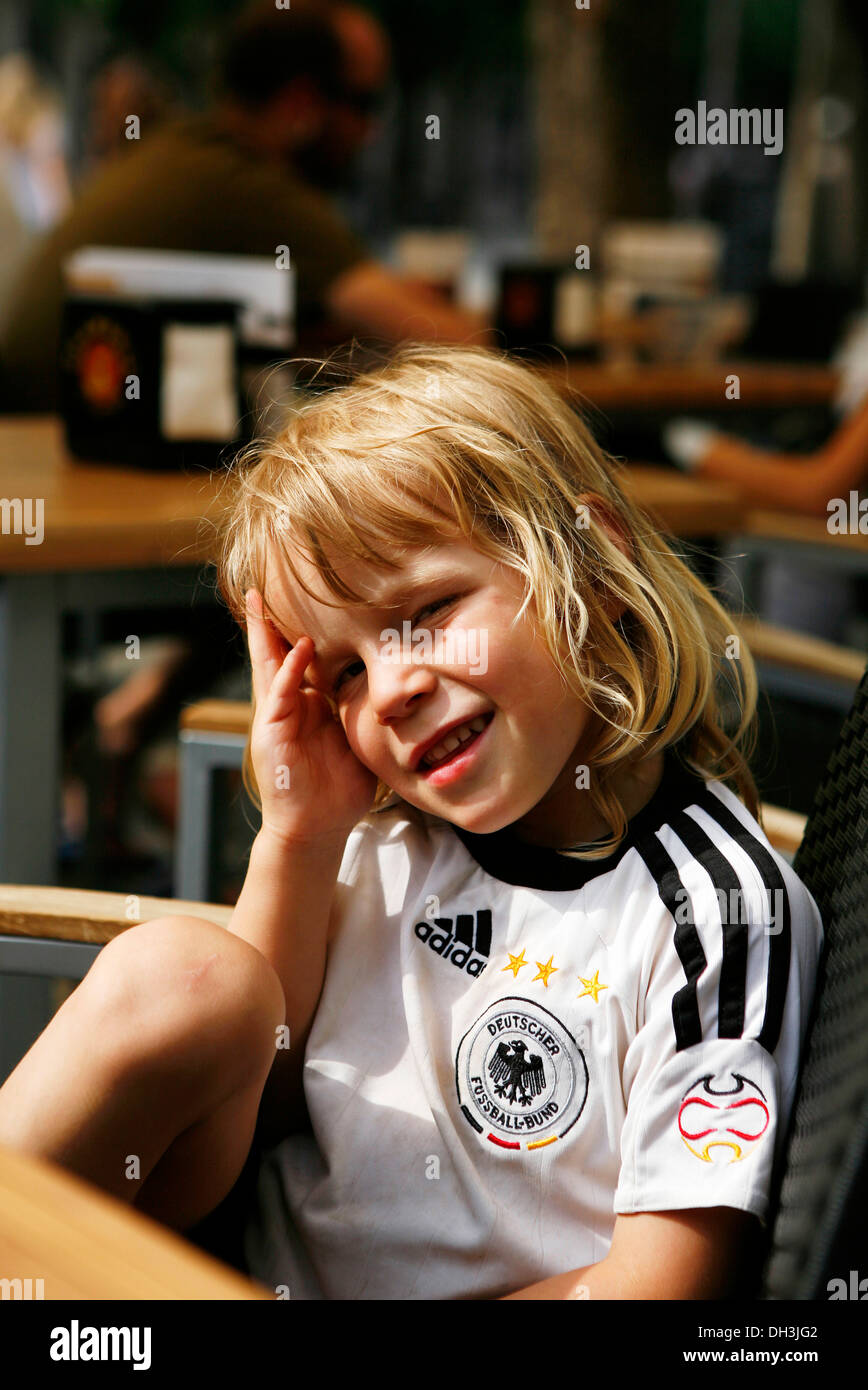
[[732, 941], [384, 859]]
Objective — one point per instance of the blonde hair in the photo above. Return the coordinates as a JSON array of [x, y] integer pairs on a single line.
[[464, 441]]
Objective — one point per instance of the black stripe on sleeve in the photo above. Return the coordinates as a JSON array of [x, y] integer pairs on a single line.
[[780, 939], [676, 900], [725, 880]]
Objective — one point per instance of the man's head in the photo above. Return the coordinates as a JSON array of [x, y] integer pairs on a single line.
[[365, 59], [304, 81]]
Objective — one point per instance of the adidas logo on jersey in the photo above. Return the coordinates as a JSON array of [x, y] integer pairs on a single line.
[[468, 946]]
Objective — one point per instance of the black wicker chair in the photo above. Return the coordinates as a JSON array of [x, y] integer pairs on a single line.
[[818, 1227]]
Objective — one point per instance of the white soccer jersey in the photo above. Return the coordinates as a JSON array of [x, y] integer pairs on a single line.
[[513, 1046]]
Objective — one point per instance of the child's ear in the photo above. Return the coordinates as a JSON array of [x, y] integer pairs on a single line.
[[592, 509]]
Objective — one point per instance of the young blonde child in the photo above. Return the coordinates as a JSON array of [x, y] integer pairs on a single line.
[[545, 981], [550, 979]]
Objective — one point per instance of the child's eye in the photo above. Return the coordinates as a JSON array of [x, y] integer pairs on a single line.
[[352, 667], [346, 673], [432, 607]]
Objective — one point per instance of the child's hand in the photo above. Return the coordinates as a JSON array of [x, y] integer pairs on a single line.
[[311, 784]]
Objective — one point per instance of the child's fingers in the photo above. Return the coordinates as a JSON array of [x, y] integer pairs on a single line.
[[278, 669], [267, 648], [290, 679], [281, 702]]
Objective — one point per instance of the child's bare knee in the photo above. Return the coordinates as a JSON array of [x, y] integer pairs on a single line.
[[185, 983]]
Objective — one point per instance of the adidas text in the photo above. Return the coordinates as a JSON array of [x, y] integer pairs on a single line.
[[464, 947]]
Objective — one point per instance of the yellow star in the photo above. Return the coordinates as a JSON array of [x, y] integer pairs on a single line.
[[545, 971], [515, 963], [592, 987]]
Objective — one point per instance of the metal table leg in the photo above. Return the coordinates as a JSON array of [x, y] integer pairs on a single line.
[[29, 777], [28, 965], [30, 723], [201, 754]]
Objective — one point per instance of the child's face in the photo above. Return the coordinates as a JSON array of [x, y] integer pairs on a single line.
[[446, 653]]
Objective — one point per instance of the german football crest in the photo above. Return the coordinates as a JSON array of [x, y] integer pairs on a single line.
[[733, 1117], [521, 1077]]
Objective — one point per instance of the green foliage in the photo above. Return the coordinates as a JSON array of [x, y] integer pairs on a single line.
[[766, 50], [470, 36], [164, 29], [427, 35]]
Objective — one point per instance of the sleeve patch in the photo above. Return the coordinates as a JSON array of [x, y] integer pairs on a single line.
[[732, 1119]]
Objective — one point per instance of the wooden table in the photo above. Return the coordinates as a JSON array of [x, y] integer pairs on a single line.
[[793, 528], [682, 388], [99, 517], [683, 505], [112, 537], [82, 1243]]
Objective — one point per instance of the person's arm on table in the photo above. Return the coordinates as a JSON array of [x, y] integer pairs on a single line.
[[795, 482], [371, 299], [700, 1253]]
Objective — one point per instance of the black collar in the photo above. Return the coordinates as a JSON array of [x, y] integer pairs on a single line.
[[510, 859]]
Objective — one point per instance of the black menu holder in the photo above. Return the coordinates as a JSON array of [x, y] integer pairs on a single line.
[[113, 382], [526, 318]]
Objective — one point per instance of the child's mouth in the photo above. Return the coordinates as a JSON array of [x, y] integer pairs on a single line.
[[453, 761]]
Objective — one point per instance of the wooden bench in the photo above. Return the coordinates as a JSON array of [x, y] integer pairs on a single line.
[[803, 666], [805, 542]]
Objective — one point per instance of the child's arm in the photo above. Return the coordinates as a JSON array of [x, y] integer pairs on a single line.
[[283, 910], [701, 1253], [313, 791]]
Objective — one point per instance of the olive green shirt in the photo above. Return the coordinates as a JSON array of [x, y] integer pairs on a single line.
[[190, 186]]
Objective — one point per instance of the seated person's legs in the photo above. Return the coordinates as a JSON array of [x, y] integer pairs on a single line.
[[161, 1052]]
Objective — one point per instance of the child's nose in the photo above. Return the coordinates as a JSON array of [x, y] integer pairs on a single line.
[[394, 685]]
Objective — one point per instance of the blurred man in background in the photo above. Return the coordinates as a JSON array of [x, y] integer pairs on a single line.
[[296, 93], [297, 90]]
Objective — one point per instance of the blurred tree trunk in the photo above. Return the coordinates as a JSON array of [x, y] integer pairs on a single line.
[[821, 215], [605, 108], [571, 126]]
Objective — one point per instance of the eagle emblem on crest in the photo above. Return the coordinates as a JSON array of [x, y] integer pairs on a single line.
[[521, 1077], [515, 1075]]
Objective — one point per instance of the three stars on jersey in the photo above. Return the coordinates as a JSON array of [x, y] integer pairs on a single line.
[[591, 987]]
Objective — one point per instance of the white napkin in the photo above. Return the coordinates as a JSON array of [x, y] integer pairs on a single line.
[[685, 441], [199, 396]]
